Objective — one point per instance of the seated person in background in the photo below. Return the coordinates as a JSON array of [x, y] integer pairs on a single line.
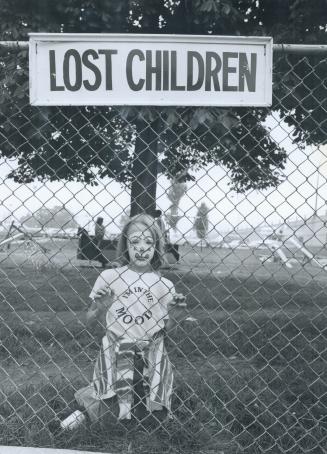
[[87, 249]]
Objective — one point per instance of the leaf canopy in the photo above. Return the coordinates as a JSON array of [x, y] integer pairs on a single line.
[[86, 144]]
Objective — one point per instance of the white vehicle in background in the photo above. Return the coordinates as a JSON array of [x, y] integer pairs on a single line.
[[257, 244], [35, 231], [233, 244], [216, 243], [53, 232], [243, 245], [268, 242]]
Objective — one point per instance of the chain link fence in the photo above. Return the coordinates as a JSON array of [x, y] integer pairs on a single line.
[[242, 200]]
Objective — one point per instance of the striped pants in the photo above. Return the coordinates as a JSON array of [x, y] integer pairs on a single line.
[[114, 371]]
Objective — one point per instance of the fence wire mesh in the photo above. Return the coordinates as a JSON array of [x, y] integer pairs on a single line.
[[243, 219]]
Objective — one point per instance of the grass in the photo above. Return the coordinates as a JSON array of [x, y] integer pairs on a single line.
[[250, 374]]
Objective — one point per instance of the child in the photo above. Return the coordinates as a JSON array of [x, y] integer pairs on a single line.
[[136, 306]]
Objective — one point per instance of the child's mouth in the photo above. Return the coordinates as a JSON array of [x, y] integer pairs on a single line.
[[143, 258]]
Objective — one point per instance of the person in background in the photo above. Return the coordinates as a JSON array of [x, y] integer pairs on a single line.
[[168, 246], [161, 224], [88, 249], [99, 232]]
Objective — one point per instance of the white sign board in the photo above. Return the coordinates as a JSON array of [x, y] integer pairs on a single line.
[[167, 70]]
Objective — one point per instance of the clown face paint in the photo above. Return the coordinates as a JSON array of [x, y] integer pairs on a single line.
[[141, 247]]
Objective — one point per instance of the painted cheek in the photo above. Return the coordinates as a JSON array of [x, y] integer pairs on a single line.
[[132, 250]]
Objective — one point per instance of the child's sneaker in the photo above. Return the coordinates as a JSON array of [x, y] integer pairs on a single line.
[[73, 421]]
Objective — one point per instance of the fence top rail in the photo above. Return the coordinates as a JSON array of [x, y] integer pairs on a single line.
[[14, 44], [303, 49], [278, 48]]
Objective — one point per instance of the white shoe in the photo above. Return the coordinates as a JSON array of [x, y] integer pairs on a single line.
[[73, 421], [125, 410]]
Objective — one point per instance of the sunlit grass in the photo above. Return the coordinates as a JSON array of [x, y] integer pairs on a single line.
[[250, 373]]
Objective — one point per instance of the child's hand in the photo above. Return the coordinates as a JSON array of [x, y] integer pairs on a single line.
[[104, 297], [179, 300], [177, 309]]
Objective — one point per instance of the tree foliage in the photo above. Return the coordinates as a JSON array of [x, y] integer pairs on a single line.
[[54, 217], [300, 91], [87, 144]]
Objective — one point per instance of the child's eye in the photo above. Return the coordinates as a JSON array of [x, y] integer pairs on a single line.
[[135, 241]]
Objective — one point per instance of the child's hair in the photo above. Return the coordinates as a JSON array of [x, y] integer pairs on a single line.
[[149, 223]]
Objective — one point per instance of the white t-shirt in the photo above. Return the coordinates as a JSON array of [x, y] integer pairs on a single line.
[[140, 302]]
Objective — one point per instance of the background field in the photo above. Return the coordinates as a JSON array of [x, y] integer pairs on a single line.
[[250, 372]]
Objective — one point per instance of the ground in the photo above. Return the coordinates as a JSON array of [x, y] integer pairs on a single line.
[[250, 372]]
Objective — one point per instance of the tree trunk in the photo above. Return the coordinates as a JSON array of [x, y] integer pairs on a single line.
[[145, 169]]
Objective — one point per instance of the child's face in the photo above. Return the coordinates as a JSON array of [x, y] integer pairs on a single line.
[[140, 246]]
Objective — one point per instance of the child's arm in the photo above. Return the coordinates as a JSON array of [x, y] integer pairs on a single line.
[[101, 302], [177, 311]]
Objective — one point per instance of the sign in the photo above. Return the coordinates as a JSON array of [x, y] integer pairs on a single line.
[[166, 70]]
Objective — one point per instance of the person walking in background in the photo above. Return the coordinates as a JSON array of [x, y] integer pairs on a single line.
[[168, 246], [99, 232]]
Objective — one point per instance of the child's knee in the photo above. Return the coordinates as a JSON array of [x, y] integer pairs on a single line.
[[85, 397]]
